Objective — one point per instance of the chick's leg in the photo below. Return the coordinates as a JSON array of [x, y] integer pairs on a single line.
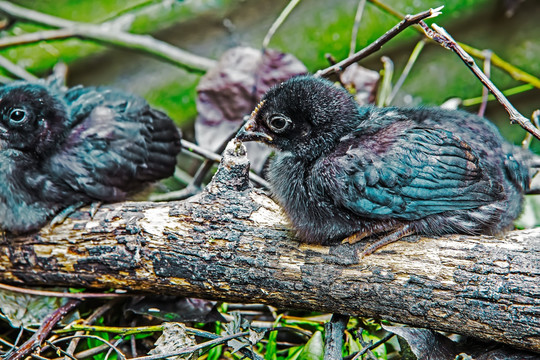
[[399, 233]]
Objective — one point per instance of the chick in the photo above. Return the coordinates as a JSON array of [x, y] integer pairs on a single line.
[[344, 171], [65, 147]]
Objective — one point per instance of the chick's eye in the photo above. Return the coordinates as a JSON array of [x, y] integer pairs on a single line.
[[17, 115], [278, 123]]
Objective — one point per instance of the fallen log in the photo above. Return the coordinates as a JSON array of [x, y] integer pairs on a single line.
[[232, 243]]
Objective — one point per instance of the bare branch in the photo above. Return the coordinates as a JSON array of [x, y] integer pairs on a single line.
[[195, 184], [59, 294], [512, 70], [377, 44], [37, 339], [356, 26], [277, 23], [445, 40], [23, 13], [16, 70], [107, 33]]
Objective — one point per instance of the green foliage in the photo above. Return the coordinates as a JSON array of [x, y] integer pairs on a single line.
[[271, 347], [314, 348], [92, 343]]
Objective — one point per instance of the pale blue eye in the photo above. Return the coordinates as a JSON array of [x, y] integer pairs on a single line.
[[17, 115]]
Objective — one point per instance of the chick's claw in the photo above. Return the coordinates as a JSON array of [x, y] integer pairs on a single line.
[[403, 231]]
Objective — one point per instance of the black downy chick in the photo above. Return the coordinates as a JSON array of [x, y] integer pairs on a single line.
[[64, 147], [342, 171]]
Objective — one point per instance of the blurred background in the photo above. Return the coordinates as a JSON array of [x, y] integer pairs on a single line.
[[509, 28]]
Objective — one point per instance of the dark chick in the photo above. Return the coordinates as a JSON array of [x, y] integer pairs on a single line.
[[60, 148], [342, 171]]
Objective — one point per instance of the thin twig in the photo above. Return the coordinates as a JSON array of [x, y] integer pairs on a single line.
[[508, 92], [496, 61], [59, 294], [356, 26], [29, 14], [120, 354], [535, 118], [407, 21], [59, 350], [109, 352], [126, 331], [13, 347], [107, 33], [515, 72], [444, 39], [192, 349], [87, 353], [485, 90], [99, 312], [37, 36], [196, 149], [406, 71], [373, 346], [386, 84], [39, 336], [277, 23], [195, 185], [16, 70]]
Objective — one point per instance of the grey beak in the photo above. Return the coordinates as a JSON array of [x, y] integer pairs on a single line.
[[249, 132]]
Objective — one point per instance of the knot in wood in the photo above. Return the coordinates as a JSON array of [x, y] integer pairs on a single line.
[[233, 170]]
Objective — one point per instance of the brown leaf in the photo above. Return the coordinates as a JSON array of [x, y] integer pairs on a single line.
[[361, 82], [231, 90]]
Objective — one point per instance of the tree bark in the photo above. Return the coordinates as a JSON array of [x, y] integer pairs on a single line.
[[231, 242]]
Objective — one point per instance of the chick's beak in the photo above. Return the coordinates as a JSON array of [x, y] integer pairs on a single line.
[[250, 132]]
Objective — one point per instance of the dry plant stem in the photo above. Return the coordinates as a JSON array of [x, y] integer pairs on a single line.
[[372, 346], [356, 26], [108, 33], [485, 90], [192, 349], [100, 311], [196, 149], [444, 39], [16, 70], [195, 185], [377, 44], [386, 83], [127, 331], [508, 92], [88, 353], [109, 352], [406, 71], [37, 339], [59, 294], [60, 351], [109, 345], [277, 23], [535, 118], [512, 70], [12, 347]]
